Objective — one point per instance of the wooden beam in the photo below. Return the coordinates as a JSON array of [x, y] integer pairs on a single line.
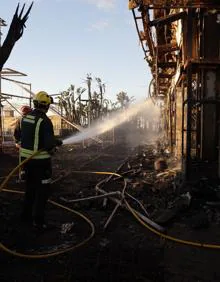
[[165, 75], [147, 31], [166, 48], [167, 84], [177, 4], [168, 19], [167, 64]]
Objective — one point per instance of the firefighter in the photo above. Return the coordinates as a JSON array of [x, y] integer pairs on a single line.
[[37, 134], [17, 137], [17, 131]]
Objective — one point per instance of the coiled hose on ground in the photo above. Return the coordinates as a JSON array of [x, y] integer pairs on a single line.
[[48, 254]]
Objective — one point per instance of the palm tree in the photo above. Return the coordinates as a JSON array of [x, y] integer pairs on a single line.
[[123, 99], [95, 98], [101, 87], [72, 107], [89, 85]]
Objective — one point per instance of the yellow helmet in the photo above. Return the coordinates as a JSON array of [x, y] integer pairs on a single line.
[[42, 98]]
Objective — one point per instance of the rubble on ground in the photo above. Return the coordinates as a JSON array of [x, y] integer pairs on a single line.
[[155, 178]]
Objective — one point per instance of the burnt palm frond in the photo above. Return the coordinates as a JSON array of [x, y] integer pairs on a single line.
[[14, 34]]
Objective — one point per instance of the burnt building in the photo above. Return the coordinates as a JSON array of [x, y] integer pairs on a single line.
[[181, 44]]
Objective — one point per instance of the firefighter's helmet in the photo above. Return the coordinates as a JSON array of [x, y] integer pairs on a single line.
[[42, 100], [25, 110]]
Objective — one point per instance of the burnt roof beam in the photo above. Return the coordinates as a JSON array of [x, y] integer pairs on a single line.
[[166, 64], [147, 31], [168, 19], [165, 75], [167, 48]]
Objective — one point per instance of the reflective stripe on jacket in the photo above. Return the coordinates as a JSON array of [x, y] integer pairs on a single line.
[[25, 153], [36, 134]]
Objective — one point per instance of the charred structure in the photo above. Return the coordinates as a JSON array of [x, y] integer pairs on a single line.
[[181, 43]]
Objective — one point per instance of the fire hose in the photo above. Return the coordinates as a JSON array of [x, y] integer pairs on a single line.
[[48, 254], [136, 215]]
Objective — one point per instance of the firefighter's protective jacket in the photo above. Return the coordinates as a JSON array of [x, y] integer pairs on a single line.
[[17, 131], [36, 134]]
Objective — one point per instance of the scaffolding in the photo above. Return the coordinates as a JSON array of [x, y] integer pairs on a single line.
[[11, 100]]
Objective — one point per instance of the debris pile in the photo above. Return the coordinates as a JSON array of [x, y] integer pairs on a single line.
[[151, 181], [155, 180]]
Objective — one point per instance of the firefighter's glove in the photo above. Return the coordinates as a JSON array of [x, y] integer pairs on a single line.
[[59, 142]]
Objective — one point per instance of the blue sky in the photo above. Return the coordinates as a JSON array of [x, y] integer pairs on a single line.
[[66, 39]]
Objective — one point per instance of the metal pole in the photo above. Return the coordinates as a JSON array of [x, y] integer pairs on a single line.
[[189, 121], [189, 93], [30, 94], [89, 81], [183, 120], [61, 120], [13, 107]]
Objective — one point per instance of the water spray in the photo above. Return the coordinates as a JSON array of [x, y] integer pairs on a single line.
[[149, 109], [116, 119]]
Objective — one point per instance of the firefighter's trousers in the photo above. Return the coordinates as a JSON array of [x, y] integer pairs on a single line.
[[38, 175]]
